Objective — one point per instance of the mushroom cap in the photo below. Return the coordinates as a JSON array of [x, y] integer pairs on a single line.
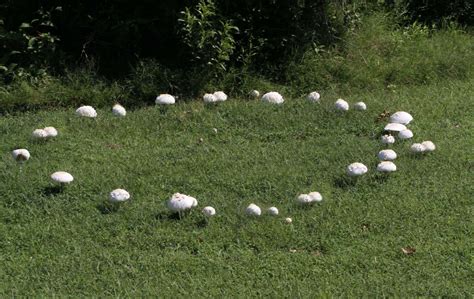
[[429, 146], [314, 97], [315, 196], [387, 155], [288, 220], [119, 195], [356, 169], [209, 98], [209, 211], [303, 199], [341, 105], [220, 96], [386, 166], [254, 93], [181, 202], [51, 131], [253, 210], [39, 134], [405, 134], [21, 154], [86, 111], [387, 139], [417, 148], [273, 211], [273, 97], [395, 127], [361, 106], [62, 177], [119, 110], [165, 99], [401, 117]]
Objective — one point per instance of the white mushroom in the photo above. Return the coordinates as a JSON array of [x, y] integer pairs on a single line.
[[62, 177], [361, 106], [86, 111], [341, 105], [273, 97], [209, 211], [387, 155], [51, 132], [273, 211], [254, 94], [417, 148], [209, 98], [253, 210], [288, 220], [220, 96], [21, 154], [386, 166], [165, 99], [387, 139], [304, 199], [314, 97], [356, 169], [315, 196], [119, 110], [119, 195], [395, 127], [39, 134], [401, 117], [405, 134], [429, 146], [181, 202]]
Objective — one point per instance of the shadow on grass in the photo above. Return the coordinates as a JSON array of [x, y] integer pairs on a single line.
[[52, 190], [169, 216], [344, 182], [107, 208]]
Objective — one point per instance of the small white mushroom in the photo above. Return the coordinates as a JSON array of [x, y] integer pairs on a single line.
[[273, 97], [315, 196], [314, 97], [253, 210], [387, 155], [356, 169], [386, 166], [303, 199], [21, 155], [341, 105], [288, 220], [401, 117], [387, 139], [417, 148], [254, 94], [86, 111], [395, 127], [181, 202], [405, 134], [429, 146], [209, 211], [209, 98], [51, 132], [361, 106], [119, 195], [272, 211], [165, 99], [39, 134], [119, 110], [220, 96], [62, 177]]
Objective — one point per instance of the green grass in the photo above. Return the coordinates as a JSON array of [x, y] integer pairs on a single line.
[[59, 244]]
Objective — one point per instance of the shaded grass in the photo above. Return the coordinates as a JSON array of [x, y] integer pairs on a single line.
[[70, 243]]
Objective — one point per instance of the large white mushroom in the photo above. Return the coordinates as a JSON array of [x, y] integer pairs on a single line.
[[310, 198], [21, 155], [401, 117], [220, 96], [314, 97], [119, 110], [209, 211], [429, 146], [315, 196], [361, 106], [341, 105], [51, 132], [386, 166], [273, 211], [119, 195], [253, 210], [417, 148], [395, 127], [254, 94], [405, 134], [62, 177], [387, 139], [86, 111], [387, 155], [165, 99], [39, 134], [181, 202], [356, 169], [273, 97], [209, 98]]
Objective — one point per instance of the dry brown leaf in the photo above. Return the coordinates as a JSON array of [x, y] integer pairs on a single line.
[[408, 250]]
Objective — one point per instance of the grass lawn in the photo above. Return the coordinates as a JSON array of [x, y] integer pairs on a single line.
[[67, 243]]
